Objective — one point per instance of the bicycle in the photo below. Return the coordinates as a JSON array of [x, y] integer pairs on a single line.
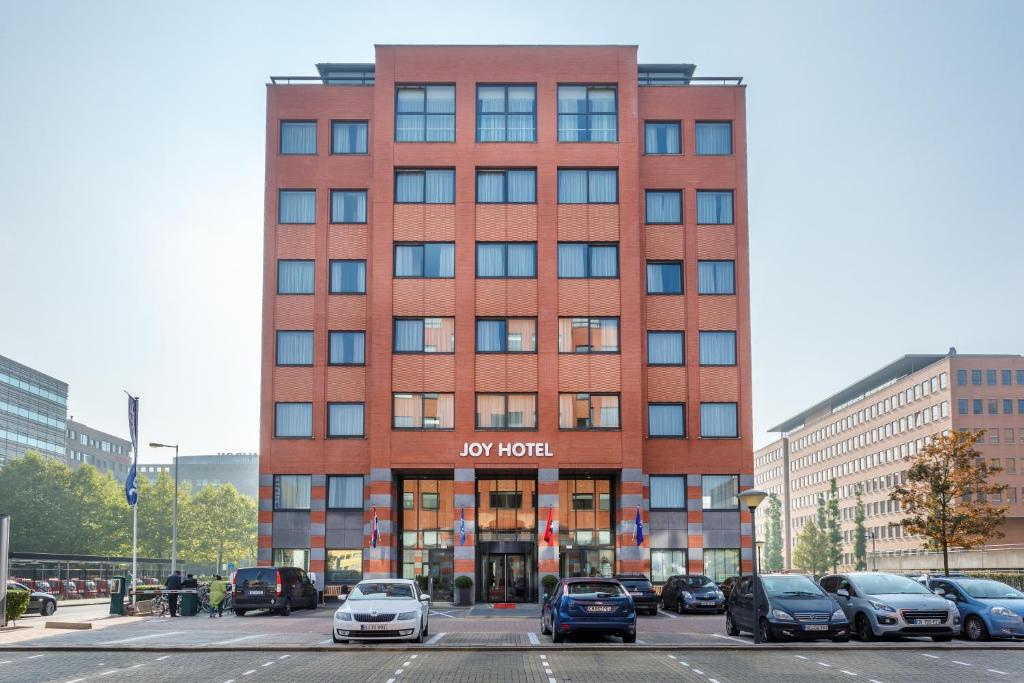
[[160, 605]]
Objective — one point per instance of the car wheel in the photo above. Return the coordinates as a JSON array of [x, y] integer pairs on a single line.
[[864, 632], [766, 631], [286, 608], [419, 636], [544, 630], [556, 635], [974, 629], [240, 612], [942, 639], [426, 628], [730, 625], [48, 608], [679, 606], [628, 637]]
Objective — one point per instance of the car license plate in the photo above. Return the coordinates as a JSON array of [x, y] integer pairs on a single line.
[[928, 622], [254, 593], [707, 603], [373, 627], [600, 608], [815, 627], [635, 593]]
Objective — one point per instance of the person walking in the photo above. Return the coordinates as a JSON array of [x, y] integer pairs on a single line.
[[173, 585], [218, 591]]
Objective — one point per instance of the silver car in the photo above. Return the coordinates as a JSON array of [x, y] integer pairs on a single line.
[[879, 604]]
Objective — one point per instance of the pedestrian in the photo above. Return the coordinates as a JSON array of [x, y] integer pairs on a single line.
[[190, 582], [173, 585], [218, 591]]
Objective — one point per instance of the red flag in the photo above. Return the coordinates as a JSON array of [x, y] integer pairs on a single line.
[[548, 534]]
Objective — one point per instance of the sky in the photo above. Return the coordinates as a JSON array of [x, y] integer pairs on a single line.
[[885, 141]]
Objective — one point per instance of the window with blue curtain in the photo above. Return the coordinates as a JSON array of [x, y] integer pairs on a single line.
[[506, 259], [347, 348], [664, 278], [506, 113], [719, 420], [348, 276], [714, 207], [577, 260], [662, 137], [433, 186], [348, 206], [716, 277], [506, 335], [718, 348], [668, 493], [295, 276], [345, 492], [425, 113], [350, 137], [490, 336], [296, 207], [664, 206], [298, 137], [429, 260], [714, 138], [588, 186], [665, 348], [424, 335], [666, 420], [293, 420], [409, 336], [587, 113], [294, 347], [517, 186], [344, 419]]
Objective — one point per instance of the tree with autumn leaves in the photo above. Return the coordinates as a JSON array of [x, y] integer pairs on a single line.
[[945, 494]]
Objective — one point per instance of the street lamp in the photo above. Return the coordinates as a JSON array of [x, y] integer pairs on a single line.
[[752, 498], [174, 510], [874, 557]]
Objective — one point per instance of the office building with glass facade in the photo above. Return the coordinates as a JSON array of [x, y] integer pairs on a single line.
[[33, 412]]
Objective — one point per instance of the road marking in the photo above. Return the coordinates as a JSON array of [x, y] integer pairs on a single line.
[[414, 656], [406, 663], [848, 673], [75, 680], [107, 673], [543, 656], [925, 654], [738, 640], [671, 656], [160, 659], [239, 639], [151, 635], [955, 661], [6, 661], [712, 680], [683, 663], [324, 642], [642, 642], [698, 671], [267, 664], [997, 671], [551, 680], [230, 680], [443, 614], [874, 681], [829, 666], [399, 672], [249, 672], [548, 671], [800, 657], [35, 656], [436, 638], [669, 614], [136, 666], [390, 680], [533, 638], [284, 656]]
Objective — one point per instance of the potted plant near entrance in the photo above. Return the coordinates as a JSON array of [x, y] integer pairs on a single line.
[[463, 588], [549, 582]]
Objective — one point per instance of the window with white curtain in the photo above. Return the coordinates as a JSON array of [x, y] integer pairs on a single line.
[[665, 348], [721, 563], [716, 277], [720, 491], [425, 113], [664, 277], [295, 276], [662, 137], [664, 206], [348, 276], [344, 419], [719, 421], [588, 186], [512, 186], [350, 137], [506, 335], [296, 207], [714, 138], [424, 335], [666, 563], [506, 113], [577, 260], [506, 259], [294, 347], [668, 493], [348, 206], [506, 411], [345, 492], [714, 207], [431, 186], [292, 491], [429, 259], [347, 348], [423, 411], [717, 348], [588, 411], [666, 420], [587, 113], [293, 420], [298, 137]]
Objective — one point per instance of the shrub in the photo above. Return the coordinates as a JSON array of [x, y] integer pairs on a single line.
[[17, 603], [549, 581], [463, 581], [423, 581]]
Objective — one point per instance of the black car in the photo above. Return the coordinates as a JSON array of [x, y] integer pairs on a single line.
[[790, 607], [38, 602], [692, 593], [278, 589], [640, 589]]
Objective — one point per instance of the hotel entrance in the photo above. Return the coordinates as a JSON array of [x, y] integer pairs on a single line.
[[506, 576], [506, 539]]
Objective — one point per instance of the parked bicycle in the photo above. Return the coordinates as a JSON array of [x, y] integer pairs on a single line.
[[204, 600]]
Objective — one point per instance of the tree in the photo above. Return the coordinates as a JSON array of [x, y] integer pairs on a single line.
[[33, 490], [835, 536], [808, 555], [773, 536], [156, 505], [944, 494], [860, 553], [220, 525], [102, 516]]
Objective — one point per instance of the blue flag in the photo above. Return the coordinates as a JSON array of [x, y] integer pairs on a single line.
[[462, 527], [131, 491], [638, 534]]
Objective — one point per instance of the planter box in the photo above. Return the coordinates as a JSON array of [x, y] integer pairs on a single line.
[[463, 596]]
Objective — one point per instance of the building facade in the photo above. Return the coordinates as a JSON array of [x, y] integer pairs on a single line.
[[862, 436], [106, 452], [505, 314], [33, 412], [241, 470]]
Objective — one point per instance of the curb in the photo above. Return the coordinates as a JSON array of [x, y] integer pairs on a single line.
[[382, 647]]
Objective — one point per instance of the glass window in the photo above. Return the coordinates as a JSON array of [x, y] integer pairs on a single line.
[[429, 501], [506, 187], [506, 259], [990, 377], [294, 276], [432, 259], [1006, 377], [347, 348], [716, 277], [721, 563], [434, 186], [714, 138], [291, 491], [714, 208], [506, 113], [294, 347], [343, 567], [668, 493], [506, 411], [588, 335], [348, 277], [976, 377], [424, 335], [1008, 406], [666, 563], [662, 137], [348, 206], [664, 206], [588, 411], [345, 419], [587, 114], [425, 113], [298, 137], [506, 335], [1020, 377], [666, 419], [993, 406], [577, 260], [293, 420], [979, 406], [961, 378], [349, 137], [665, 348], [588, 186], [423, 411], [720, 491], [296, 206], [718, 348], [664, 278], [292, 557], [719, 421], [961, 406]]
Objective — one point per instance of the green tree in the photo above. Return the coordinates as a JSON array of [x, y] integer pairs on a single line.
[[220, 526], [860, 547], [835, 536], [156, 505], [100, 512], [34, 491], [773, 531], [808, 554]]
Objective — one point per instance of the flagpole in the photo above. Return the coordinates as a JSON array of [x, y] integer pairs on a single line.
[[131, 488]]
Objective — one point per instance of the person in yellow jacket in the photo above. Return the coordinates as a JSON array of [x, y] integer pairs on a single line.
[[218, 590]]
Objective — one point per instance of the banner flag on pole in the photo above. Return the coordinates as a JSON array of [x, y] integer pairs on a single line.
[[462, 527], [638, 533], [374, 534], [548, 530], [131, 490]]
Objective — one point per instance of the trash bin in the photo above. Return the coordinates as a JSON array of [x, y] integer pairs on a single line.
[[118, 594], [188, 604]]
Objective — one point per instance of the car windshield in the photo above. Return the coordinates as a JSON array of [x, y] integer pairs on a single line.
[[381, 591], [790, 587], [882, 584], [593, 589], [697, 582], [637, 584], [986, 588]]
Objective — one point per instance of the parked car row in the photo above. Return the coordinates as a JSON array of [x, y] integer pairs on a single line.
[[39, 602]]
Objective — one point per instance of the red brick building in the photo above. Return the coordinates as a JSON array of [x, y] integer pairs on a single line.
[[505, 284]]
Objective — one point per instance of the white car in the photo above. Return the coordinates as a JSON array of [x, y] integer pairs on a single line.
[[383, 609]]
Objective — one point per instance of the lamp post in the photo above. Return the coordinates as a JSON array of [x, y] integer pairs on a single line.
[[752, 498], [174, 509], [874, 557]]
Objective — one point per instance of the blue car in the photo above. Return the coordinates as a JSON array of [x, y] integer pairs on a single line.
[[588, 605], [989, 609]]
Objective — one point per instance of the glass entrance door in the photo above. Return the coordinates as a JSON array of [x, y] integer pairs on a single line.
[[505, 577]]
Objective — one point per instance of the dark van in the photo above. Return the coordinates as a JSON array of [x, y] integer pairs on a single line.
[[278, 589], [789, 607]]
